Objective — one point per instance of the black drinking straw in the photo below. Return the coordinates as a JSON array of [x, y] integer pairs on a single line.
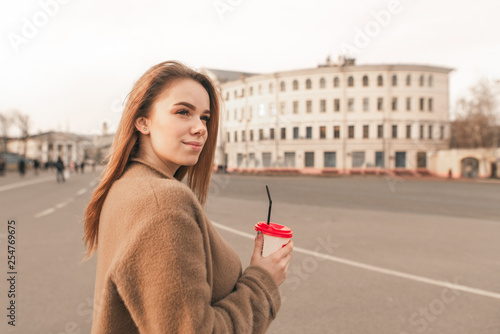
[[270, 204]]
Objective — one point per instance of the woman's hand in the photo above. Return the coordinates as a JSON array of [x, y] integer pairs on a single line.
[[277, 263]]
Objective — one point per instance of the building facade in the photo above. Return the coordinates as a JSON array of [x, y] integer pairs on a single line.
[[337, 116]]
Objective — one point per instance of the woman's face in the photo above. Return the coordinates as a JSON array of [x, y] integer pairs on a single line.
[[177, 124]]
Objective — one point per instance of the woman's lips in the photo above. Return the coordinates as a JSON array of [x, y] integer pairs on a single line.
[[194, 145]]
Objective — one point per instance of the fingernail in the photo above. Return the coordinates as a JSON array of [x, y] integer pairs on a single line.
[[259, 232]]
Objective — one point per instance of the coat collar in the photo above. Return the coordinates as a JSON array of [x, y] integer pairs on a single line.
[[145, 163]]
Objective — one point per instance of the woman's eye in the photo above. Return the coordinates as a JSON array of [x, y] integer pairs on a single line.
[[183, 112], [205, 118]]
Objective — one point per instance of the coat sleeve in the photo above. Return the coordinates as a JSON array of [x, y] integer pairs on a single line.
[[162, 279]]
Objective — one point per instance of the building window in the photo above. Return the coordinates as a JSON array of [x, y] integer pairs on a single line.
[[421, 132], [400, 159], [295, 107], [309, 159], [250, 112], [295, 85], [430, 104], [235, 136], [366, 104], [431, 80], [430, 131], [235, 114], [271, 134], [358, 159], [243, 92], [394, 104], [380, 131], [308, 106], [251, 135], [235, 94], [260, 90], [272, 109], [239, 159], [408, 80], [289, 159], [380, 81], [329, 159], [366, 129], [408, 104], [266, 159], [394, 131], [380, 104], [322, 105], [422, 102], [336, 105], [336, 132], [271, 88], [243, 136], [379, 159], [365, 81], [308, 84], [228, 137], [350, 82], [296, 132], [227, 96], [282, 107], [336, 82], [350, 131], [251, 91], [322, 83], [262, 109], [441, 134], [421, 81], [261, 134], [283, 133], [282, 86], [350, 104], [408, 131], [322, 132], [421, 160], [394, 80], [309, 131]]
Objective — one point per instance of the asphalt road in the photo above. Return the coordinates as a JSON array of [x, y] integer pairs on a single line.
[[387, 251]]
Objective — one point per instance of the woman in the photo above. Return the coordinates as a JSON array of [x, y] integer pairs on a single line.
[[161, 266]]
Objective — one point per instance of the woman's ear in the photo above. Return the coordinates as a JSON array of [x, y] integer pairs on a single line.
[[141, 124]]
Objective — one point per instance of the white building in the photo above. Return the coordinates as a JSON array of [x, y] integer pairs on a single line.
[[343, 117]]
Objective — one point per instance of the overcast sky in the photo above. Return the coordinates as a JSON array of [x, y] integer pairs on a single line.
[[69, 64]]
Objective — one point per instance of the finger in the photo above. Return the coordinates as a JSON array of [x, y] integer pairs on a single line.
[[259, 241], [285, 250]]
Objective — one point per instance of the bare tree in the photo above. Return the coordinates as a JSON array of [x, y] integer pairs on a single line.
[[6, 122], [23, 122], [477, 121]]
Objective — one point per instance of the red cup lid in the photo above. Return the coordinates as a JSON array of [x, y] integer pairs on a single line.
[[274, 230]]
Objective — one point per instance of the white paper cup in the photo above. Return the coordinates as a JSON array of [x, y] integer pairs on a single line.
[[275, 236]]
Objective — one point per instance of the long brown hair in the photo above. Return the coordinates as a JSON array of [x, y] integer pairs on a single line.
[[126, 141]]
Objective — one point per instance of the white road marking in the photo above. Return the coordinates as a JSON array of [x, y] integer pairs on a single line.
[[81, 191], [61, 205], [45, 212], [25, 183], [380, 270]]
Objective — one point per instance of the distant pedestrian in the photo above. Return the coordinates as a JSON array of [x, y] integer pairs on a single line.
[[82, 166], [60, 170], [21, 166], [450, 174], [2, 167], [36, 165]]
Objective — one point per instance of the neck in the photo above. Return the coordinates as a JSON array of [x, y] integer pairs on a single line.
[[147, 154]]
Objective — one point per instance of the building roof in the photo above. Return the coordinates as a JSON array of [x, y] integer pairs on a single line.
[[225, 76]]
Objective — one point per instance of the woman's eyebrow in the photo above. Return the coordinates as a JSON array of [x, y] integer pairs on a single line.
[[190, 106]]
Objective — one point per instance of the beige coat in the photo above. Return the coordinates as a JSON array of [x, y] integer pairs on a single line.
[[163, 268]]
